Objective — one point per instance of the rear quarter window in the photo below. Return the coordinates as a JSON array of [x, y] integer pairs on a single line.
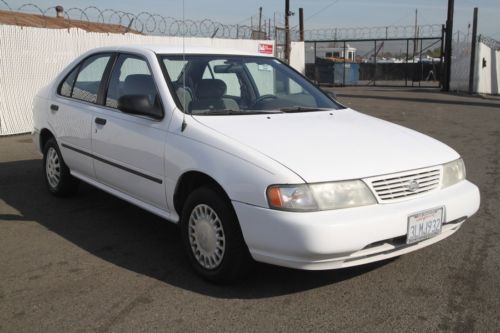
[[66, 87], [84, 80]]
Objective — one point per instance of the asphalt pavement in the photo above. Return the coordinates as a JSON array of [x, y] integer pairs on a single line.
[[96, 263]]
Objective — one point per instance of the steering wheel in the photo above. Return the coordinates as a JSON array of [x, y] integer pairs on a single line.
[[263, 98]]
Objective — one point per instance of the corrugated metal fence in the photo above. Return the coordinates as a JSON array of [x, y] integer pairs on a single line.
[[31, 57]]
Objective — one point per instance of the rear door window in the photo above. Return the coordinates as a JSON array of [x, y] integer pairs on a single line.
[[89, 78]]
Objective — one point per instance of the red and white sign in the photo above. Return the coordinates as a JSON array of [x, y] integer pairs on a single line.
[[266, 48]]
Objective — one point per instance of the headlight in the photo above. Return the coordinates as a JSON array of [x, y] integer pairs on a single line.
[[453, 173], [345, 194], [291, 197], [322, 196]]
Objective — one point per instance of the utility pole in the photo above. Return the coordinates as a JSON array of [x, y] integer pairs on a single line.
[[473, 53], [301, 23], [287, 32], [448, 43]]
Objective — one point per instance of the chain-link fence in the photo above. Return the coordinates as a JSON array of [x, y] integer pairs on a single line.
[[407, 62], [460, 65]]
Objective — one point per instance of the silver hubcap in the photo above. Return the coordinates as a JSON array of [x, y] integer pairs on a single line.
[[206, 236], [53, 168]]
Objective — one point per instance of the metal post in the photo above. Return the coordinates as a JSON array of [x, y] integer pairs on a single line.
[[269, 29], [343, 74], [421, 65], [287, 32], [415, 42], [237, 31], [375, 62], [406, 67], [301, 24], [260, 21], [473, 52], [316, 76], [448, 45], [441, 69]]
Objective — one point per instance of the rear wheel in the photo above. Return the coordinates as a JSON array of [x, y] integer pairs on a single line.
[[212, 236], [56, 174]]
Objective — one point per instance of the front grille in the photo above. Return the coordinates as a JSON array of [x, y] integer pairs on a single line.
[[404, 185]]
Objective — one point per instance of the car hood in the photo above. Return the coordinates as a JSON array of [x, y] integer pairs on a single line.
[[333, 145]]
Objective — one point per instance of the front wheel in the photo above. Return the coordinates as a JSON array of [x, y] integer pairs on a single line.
[[56, 174], [212, 236]]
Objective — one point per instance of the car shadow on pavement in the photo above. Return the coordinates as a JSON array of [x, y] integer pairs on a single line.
[[136, 240]]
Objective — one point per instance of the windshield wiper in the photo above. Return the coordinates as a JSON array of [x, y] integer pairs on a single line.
[[301, 109], [215, 112], [223, 112]]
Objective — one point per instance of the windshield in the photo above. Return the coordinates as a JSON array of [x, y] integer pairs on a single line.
[[237, 85]]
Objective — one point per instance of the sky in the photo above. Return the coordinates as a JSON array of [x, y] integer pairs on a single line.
[[317, 13]]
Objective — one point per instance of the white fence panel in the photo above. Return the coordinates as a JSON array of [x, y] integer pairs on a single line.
[[298, 57], [31, 57], [488, 70]]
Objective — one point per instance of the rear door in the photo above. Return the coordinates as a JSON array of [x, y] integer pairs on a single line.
[[72, 112], [129, 149]]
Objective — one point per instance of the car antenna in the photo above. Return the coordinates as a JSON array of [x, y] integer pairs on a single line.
[[184, 124]]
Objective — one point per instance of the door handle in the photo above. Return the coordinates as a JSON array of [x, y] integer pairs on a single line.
[[54, 107], [100, 121]]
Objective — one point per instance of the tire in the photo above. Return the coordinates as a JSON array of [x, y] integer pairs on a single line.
[[212, 237], [57, 176]]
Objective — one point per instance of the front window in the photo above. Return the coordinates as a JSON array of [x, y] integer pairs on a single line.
[[211, 84]]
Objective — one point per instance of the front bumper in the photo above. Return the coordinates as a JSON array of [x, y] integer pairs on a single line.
[[348, 237]]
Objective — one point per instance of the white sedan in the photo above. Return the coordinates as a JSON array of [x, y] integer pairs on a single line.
[[250, 158]]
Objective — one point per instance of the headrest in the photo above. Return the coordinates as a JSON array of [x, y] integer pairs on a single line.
[[138, 84], [211, 88]]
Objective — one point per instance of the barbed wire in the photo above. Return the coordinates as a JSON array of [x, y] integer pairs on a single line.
[[381, 32], [146, 22], [156, 24], [490, 42]]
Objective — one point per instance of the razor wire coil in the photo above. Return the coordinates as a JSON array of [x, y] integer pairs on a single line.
[[156, 24]]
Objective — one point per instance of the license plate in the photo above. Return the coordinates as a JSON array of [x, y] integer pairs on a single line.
[[425, 224]]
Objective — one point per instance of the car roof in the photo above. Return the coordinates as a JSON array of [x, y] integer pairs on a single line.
[[173, 49]]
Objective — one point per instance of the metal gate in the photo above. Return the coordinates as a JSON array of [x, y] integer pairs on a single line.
[[399, 62]]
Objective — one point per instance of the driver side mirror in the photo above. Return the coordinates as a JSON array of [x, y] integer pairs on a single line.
[[139, 105]]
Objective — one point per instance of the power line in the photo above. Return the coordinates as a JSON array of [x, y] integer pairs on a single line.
[[318, 12], [322, 10]]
